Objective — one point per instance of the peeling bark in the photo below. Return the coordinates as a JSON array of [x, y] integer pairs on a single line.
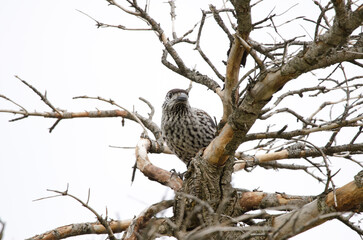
[[348, 198]]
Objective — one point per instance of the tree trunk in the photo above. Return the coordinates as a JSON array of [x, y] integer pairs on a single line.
[[207, 197]]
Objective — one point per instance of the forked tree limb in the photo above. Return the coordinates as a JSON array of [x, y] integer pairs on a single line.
[[180, 67], [242, 119]]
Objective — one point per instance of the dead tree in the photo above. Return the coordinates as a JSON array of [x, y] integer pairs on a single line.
[[206, 206]]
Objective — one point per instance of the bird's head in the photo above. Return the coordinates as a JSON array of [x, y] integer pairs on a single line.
[[176, 100]]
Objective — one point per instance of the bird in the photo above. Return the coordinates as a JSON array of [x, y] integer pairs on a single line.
[[185, 129]]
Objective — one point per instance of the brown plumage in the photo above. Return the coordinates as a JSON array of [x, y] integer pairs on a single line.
[[186, 130]]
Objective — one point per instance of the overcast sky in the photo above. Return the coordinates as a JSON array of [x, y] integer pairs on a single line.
[[59, 50]]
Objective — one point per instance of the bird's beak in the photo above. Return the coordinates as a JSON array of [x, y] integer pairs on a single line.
[[182, 97]]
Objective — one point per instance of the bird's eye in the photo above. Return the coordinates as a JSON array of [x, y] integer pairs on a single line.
[[170, 95]]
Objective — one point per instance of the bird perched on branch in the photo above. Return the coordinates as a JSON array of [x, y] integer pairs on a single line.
[[186, 130]]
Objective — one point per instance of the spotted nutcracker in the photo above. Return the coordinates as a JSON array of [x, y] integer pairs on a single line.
[[186, 130]]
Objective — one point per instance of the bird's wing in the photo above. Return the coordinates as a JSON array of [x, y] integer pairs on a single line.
[[204, 117]]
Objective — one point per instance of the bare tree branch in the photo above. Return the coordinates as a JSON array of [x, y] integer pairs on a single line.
[[152, 172], [102, 220], [112, 2], [288, 135], [260, 200], [110, 101], [78, 229], [142, 220], [119, 26], [181, 69], [202, 54], [42, 97], [349, 197]]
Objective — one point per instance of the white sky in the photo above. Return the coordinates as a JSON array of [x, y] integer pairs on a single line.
[[58, 49]]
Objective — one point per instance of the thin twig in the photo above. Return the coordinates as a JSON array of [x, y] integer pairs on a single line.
[[105, 25], [173, 17], [8, 99], [110, 101], [42, 97], [328, 171], [84, 204], [202, 54], [54, 125], [151, 114], [123, 8]]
